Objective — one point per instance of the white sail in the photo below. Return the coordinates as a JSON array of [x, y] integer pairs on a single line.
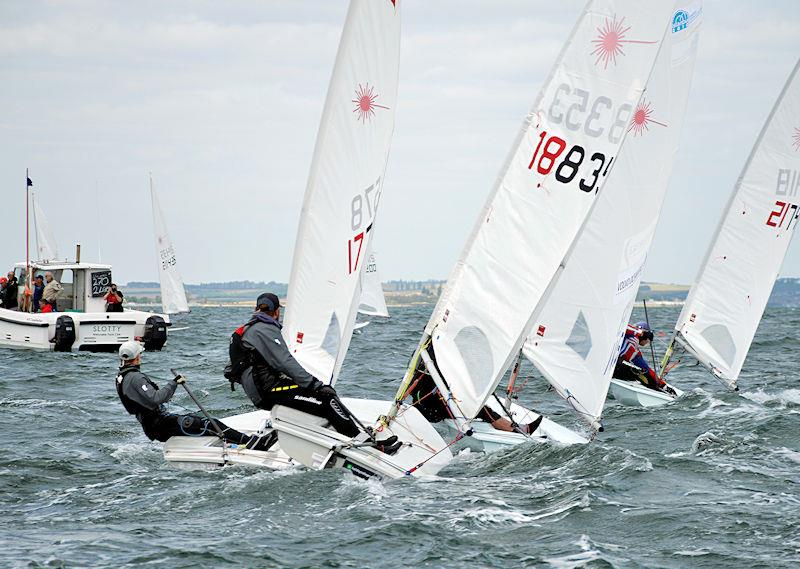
[[344, 188], [173, 295], [728, 298], [576, 339], [373, 302], [565, 149], [46, 246]]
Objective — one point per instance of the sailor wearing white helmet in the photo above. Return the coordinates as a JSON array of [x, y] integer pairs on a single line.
[[143, 398]]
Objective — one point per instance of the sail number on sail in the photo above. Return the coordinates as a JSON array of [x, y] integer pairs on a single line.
[[788, 183], [576, 118], [370, 197], [167, 257]]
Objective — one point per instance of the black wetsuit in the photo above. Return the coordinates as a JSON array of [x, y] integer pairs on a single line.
[[276, 378], [142, 397]]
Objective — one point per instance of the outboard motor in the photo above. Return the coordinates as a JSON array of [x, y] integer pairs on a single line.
[[155, 333], [65, 334]]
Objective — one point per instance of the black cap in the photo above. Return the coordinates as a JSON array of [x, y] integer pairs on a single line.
[[270, 300]]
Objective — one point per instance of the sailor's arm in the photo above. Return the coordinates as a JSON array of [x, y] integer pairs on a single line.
[[277, 355], [140, 390]]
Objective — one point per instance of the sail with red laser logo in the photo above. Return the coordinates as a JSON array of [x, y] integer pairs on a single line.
[[344, 189], [564, 152], [577, 337]]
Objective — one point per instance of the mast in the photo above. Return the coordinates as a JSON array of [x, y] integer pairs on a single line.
[[28, 281]]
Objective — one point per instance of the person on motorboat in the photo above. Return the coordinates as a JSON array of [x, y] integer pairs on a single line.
[[10, 300], [52, 290], [142, 397], [113, 299], [270, 375], [38, 290], [631, 364]]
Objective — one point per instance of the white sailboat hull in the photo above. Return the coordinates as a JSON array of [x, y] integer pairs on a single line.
[[101, 331], [208, 452], [634, 394], [307, 440], [487, 438]]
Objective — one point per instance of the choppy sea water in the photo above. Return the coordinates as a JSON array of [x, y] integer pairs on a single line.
[[709, 481]]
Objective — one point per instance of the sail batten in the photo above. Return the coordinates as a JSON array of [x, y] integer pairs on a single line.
[[566, 148], [576, 339], [729, 295], [344, 186]]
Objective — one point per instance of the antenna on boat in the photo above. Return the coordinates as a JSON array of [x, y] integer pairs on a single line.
[[97, 225], [28, 184]]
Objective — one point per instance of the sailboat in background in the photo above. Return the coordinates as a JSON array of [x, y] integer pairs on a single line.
[[173, 293], [373, 301], [576, 339], [522, 239], [336, 224], [46, 246], [729, 295]]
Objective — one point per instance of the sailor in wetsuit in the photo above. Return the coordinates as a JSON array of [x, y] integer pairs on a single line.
[[275, 377], [631, 364], [143, 398]]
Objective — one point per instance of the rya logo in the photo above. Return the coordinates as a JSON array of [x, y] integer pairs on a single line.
[[680, 21]]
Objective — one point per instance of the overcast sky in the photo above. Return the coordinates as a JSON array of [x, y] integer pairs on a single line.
[[221, 101]]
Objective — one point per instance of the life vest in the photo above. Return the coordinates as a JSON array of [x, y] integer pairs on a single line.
[[130, 405], [241, 357]]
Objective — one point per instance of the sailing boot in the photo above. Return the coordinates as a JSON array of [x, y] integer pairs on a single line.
[[530, 428], [389, 446], [262, 442]]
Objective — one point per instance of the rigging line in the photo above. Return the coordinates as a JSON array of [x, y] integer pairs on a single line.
[[459, 436], [514, 424]]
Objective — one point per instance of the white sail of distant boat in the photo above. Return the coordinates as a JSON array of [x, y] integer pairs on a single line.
[[46, 246], [373, 301], [344, 188], [547, 187], [173, 294], [576, 339], [726, 302]]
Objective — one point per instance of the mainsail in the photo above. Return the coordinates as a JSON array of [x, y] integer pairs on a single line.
[[567, 146], [576, 339], [46, 246], [173, 295], [372, 302], [727, 300], [344, 188]]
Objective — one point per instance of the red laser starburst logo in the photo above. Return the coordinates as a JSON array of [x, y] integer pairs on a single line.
[[365, 102], [796, 139], [642, 119], [610, 37]]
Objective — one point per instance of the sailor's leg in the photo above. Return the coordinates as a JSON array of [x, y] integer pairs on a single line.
[[319, 404]]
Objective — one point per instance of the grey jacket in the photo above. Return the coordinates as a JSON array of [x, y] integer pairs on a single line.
[[266, 339], [139, 393]]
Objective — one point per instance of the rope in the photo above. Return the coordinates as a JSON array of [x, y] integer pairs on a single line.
[[459, 436]]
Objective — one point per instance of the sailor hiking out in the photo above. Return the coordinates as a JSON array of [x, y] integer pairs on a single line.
[[143, 398], [631, 364], [271, 376]]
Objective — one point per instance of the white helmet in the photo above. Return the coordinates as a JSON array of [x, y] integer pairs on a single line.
[[130, 350]]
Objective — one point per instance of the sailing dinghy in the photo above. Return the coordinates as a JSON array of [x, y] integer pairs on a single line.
[[373, 301], [729, 295], [519, 245], [173, 293], [333, 242], [576, 340]]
